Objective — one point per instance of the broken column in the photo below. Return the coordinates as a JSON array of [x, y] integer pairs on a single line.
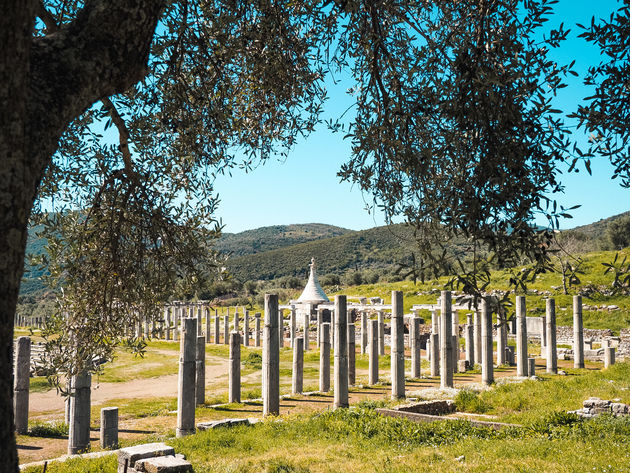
[[21, 383], [487, 369], [470, 345], [373, 348], [578, 333], [521, 336], [609, 356], [109, 427], [307, 323], [415, 346], [246, 329], [200, 368], [234, 370], [292, 325], [217, 324], [552, 354], [341, 353], [226, 328], [446, 341], [271, 358], [297, 379], [324, 358], [531, 366], [80, 404], [257, 329], [187, 379], [398, 347], [351, 354]]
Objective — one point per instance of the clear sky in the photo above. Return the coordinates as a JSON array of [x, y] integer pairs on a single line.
[[305, 187]]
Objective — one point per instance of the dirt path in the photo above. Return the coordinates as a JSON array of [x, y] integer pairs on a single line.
[[162, 386]]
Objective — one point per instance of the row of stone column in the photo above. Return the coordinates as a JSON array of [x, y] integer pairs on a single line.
[[28, 321]]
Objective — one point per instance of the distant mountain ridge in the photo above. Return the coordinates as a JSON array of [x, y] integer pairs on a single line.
[[273, 237]]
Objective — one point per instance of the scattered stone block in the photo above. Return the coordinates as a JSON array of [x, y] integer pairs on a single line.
[[222, 423], [435, 407], [140, 452], [169, 464]]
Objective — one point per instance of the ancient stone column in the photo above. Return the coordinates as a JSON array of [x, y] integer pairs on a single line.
[[434, 346], [167, 323], [217, 325], [319, 328], [226, 328], [80, 403], [297, 380], [531, 366], [398, 347], [109, 427], [381, 333], [446, 341], [280, 328], [609, 356], [352, 377], [237, 320], [21, 383], [501, 342], [292, 326], [208, 325], [200, 368], [415, 346], [307, 323], [477, 336], [257, 329], [455, 322], [578, 333], [187, 379], [324, 358], [374, 350], [552, 354], [234, 370], [341, 353], [521, 336], [487, 369], [176, 313], [543, 338], [271, 358], [470, 345], [246, 329], [364, 334]]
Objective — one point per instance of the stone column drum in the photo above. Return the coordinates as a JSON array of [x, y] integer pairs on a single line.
[[381, 333], [446, 341], [552, 353], [21, 383], [578, 333], [246, 329], [307, 324], [271, 358], [364, 334], [324, 358], [109, 427], [521, 336], [341, 353], [297, 378], [257, 329], [609, 356], [477, 336], [226, 329], [234, 369], [398, 347], [217, 325], [200, 369], [187, 379]]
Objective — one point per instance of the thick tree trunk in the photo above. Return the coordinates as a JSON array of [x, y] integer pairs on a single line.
[[45, 83]]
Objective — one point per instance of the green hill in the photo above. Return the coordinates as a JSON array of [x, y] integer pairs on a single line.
[[274, 237]]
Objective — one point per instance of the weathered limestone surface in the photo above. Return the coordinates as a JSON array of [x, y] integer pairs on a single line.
[[324, 359], [341, 353], [297, 379], [200, 369], [446, 341], [271, 358], [257, 329], [374, 350], [351, 354], [80, 403], [381, 333], [109, 427], [552, 353], [398, 347], [521, 337], [21, 383], [578, 333], [434, 346], [234, 374], [187, 379], [487, 368], [415, 347]]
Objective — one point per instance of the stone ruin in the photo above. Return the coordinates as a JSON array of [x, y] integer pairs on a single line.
[[595, 406], [152, 458]]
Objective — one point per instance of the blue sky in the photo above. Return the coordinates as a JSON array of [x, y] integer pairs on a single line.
[[304, 188]]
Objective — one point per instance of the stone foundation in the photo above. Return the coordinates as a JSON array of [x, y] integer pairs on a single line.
[[595, 406]]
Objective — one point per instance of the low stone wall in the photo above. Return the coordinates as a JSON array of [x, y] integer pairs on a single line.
[[595, 406], [436, 407]]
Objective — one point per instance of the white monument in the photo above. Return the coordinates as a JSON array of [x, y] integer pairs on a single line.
[[311, 296]]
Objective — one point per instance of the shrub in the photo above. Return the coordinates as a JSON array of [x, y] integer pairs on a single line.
[[469, 401]]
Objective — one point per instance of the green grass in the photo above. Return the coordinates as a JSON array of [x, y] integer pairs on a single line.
[[39, 384], [52, 429]]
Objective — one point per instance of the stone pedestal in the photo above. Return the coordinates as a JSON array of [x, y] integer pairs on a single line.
[[109, 427]]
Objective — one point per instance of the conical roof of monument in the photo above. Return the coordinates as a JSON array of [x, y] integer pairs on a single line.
[[313, 292]]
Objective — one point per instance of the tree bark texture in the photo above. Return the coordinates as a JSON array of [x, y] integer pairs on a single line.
[[45, 83]]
